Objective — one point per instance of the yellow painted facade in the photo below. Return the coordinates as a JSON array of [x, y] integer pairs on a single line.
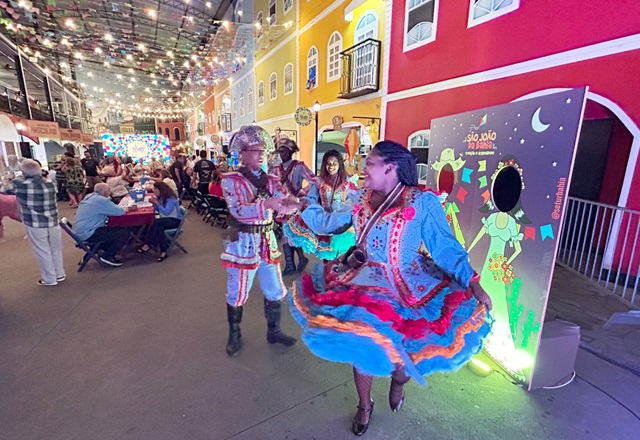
[[276, 59], [317, 33]]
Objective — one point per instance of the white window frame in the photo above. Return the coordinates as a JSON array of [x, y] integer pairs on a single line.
[[406, 47], [260, 22], [427, 134], [260, 88], [290, 67], [273, 79], [250, 102], [273, 18], [337, 46], [234, 107], [515, 4], [242, 109], [367, 27], [284, 6], [312, 60]]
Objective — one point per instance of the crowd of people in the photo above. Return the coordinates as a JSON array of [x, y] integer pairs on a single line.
[[394, 295]]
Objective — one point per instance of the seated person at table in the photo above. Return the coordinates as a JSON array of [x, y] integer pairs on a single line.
[[117, 182], [215, 188], [165, 177], [165, 202], [91, 219]]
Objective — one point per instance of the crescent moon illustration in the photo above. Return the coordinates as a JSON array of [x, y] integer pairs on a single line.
[[536, 124]]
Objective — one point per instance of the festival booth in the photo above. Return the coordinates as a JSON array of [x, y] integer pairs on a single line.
[[137, 146], [507, 170]]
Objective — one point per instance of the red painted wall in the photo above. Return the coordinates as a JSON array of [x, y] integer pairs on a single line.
[[536, 29], [172, 126]]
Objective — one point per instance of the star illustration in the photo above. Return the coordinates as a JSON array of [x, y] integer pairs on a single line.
[[518, 114], [568, 101], [548, 196], [554, 164], [521, 141], [541, 146], [509, 137], [515, 129], [561, 128]]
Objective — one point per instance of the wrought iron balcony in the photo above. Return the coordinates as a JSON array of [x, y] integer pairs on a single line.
[[360, 69]]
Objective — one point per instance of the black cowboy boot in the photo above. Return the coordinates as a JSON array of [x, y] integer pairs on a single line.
[[302, 260], [273, 313], [234, 344], [290, 266]]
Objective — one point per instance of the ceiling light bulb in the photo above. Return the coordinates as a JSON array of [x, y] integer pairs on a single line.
[[194, 57], [208, 4], [108, 37], [170, 54], [129, 57], [106, 64], [152, 13], [69, 23], [186, 64], [78, 55], [190, 19], [141, 46]]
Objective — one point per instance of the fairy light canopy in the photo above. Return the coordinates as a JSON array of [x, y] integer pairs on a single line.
[[145, 58]]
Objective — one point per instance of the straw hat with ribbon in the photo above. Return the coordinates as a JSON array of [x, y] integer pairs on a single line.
[[447, 157]]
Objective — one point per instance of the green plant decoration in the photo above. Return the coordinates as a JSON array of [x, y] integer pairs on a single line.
[[515, 309], [530, 326]]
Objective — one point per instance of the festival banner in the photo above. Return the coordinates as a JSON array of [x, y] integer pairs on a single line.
[[507, 170]]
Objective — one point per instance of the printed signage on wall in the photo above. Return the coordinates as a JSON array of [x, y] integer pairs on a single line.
[[45, 129], [70, 134], [87, 139], [507, 171]]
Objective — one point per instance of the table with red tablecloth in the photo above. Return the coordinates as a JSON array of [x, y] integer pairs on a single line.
[[138, 222]]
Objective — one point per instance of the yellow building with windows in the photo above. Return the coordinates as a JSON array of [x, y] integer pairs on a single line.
[[276, 86], [340, 45]]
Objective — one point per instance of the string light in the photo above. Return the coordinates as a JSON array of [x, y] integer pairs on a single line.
[[108, 37], [69, 23], [170, 54], [208, 4], [78, 55], [141, 46], [98, 50], [106, 64], [129, 57], [151, 13]]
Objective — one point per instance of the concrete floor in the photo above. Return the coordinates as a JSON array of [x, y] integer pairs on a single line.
[[137, 352]]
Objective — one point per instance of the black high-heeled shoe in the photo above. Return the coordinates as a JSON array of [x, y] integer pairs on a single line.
[[162, 257], [396, 395], [360, 428]]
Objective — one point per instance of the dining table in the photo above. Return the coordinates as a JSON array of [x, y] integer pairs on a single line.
[[138, 220]]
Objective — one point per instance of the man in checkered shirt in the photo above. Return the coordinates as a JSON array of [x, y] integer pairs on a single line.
[[37, 198]]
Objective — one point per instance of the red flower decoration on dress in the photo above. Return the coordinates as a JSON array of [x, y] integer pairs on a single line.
[[356, 208], [409, 213]]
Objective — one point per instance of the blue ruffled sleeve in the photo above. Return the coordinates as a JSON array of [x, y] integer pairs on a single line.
[[323, 222], [443, 247], [313, 197]]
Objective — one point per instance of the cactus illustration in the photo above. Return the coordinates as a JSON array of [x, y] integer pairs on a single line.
[[530, 326], [515, 309]]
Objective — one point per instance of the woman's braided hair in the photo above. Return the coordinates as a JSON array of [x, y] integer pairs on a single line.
[[405, 161]]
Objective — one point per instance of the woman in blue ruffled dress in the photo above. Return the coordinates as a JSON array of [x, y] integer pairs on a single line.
[[387, 307], [331, 192]]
